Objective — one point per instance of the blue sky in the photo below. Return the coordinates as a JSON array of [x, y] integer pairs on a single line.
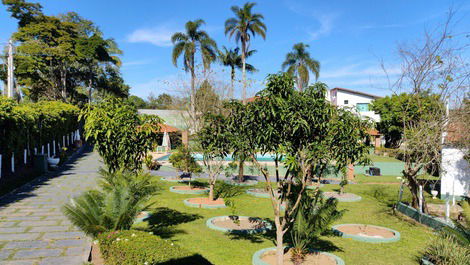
[[349, 38]]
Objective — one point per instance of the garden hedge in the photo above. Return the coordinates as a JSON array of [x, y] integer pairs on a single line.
[[138, 247], [29, 125]]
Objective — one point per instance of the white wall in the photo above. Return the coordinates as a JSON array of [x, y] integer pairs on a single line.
[[353, 99], [455, 173]]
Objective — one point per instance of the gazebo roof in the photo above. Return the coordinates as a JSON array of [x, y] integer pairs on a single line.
[[167, 128]]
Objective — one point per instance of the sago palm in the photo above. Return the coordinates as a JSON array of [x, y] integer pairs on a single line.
[[233, 59], [187, 44], [299, 63], [242, 27]]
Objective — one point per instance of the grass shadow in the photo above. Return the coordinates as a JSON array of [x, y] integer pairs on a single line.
[[325, 245], [162, 221], [256, 238], [195, 259]]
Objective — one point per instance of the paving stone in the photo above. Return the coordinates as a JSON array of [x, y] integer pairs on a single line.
[[66, 260], [69, 243], [55, 217], [55, 228], [4, 254], [47, 214], [7, 224], [37, 223], [23, 218], [19, 236], [20, 262], [37, 253], [26, 244], [18, 214], [64, 235], [12, 229], [76, 251]]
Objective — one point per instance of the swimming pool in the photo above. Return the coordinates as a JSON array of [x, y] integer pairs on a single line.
[[198, 157]]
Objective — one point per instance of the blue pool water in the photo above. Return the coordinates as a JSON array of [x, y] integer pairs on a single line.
[[198, 157]]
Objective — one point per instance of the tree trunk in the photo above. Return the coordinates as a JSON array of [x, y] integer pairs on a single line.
[[279, 240], [193, 95], [89, 90], [232, 86], [241, 170], [413, 185], [244, 71], [211, 191], [63, 76], [299, 83]]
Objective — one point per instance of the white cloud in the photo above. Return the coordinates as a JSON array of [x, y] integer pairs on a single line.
[[159, 36], [359, 69], [326, 26], [135, 63]]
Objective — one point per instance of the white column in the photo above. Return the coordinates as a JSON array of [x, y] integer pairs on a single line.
[[420, 198], [13, 162], [42, 150], [25, 156], [53, 147]]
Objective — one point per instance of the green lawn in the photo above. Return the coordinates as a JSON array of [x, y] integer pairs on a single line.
[[376, 158], [175, 221]]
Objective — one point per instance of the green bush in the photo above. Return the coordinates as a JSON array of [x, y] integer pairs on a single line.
[[182, 160], [30, 125], [446, 250], [137, 247]]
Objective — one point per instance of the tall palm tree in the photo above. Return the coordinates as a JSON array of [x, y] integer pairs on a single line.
[[188, 43], [299, 64], [233, 59], [243, 26]]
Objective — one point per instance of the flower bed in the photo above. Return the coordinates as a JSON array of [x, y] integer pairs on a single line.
[[345, 197], [205, 203], [246, 225], [267, 256], [367, 233], [244, 183]]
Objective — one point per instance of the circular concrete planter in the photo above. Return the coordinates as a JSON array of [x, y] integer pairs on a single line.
[[256, 260], [350, 197], [314, 186], [368, 239], [244, 183], [144, 216], [205, 206], [199, 191], [255, 193], [211, 225]]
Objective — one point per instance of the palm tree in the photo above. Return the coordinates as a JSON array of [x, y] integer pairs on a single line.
[[188, 43], [244, 25], [299, 63], [233, 59]]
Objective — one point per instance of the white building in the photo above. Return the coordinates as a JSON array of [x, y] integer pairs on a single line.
[[356, 100]]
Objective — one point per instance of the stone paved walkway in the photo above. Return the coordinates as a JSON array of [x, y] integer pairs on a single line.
[[33, 229]]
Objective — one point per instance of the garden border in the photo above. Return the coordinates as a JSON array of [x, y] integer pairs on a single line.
[[173, 180], [211, 225], [204, 191], [396, 238], [141, 219], [205, 206], [422, 218], [250, 182], [256, 259]]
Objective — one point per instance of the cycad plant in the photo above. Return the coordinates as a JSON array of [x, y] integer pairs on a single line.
[[299, 63], [115, 207], [313, 218]]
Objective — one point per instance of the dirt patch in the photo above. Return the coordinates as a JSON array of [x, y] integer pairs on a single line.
[[244, 223], [206, 201], [188, 188], [310, 259], [366, 231], [142, 215], [96, 258]]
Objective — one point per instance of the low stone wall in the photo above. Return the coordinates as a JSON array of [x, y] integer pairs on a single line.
[[422, 218]]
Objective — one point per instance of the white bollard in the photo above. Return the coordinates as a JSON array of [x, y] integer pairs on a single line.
[[25, 156], [35, 151], [42, 150], [13, 162], [420, 198], [53, 147], [48, 151]]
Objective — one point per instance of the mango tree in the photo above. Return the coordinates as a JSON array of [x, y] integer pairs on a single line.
[[297, 128]]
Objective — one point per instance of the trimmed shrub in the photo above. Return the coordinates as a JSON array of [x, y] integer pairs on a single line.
[[137, 247], [446, 250]]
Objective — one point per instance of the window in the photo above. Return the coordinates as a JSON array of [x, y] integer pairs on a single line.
[[346, 102], [362, 107]]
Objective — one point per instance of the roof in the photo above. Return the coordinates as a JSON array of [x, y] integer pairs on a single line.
[[175, 118], [252, 99], [355, 92], [373, 132], [167, 128]]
